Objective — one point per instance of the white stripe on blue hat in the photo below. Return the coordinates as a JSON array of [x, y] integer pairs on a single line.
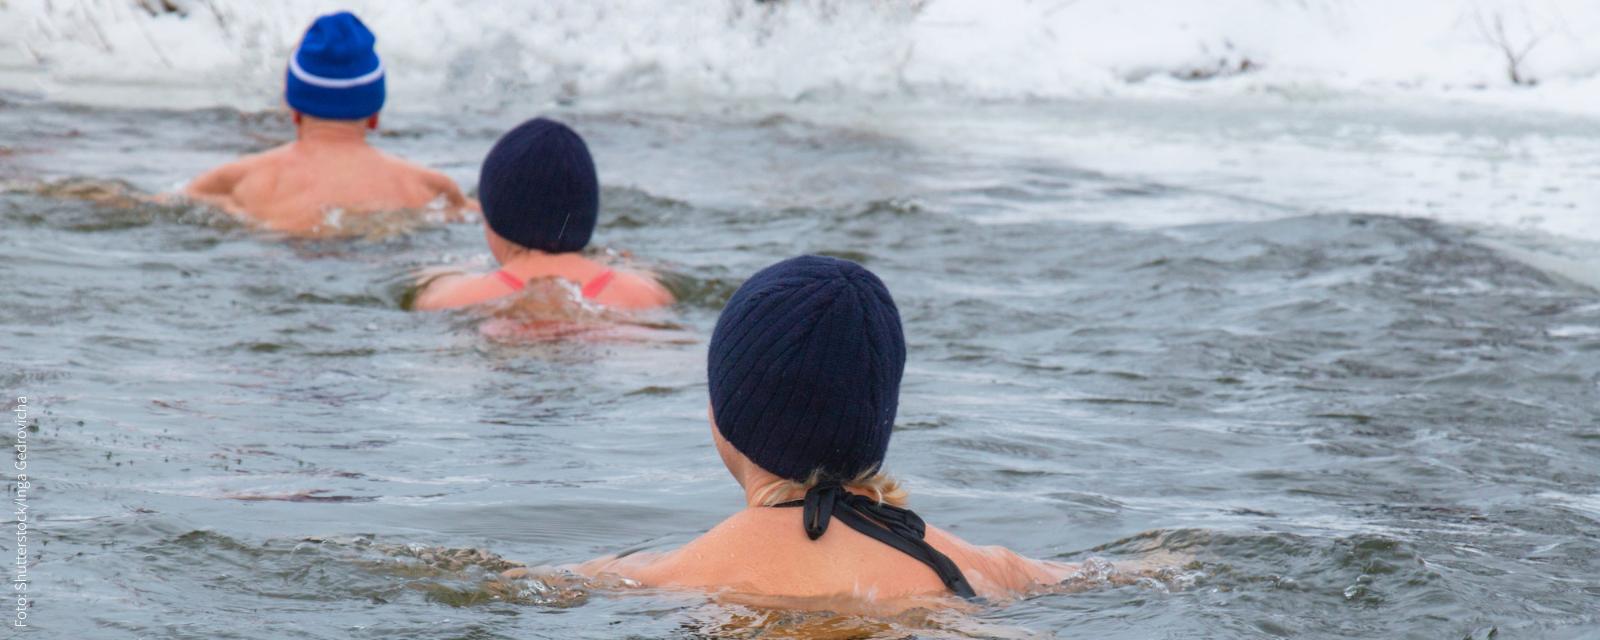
[[332, 83]]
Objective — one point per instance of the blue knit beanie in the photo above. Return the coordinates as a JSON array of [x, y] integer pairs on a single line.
[[335, 74], [538, 187], [805, 368]]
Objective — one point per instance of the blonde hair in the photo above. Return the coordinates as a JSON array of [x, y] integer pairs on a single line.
[[882, 486]]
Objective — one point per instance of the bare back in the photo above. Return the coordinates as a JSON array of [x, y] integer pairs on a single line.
[[292, 187], [625, 289], [765, 551]]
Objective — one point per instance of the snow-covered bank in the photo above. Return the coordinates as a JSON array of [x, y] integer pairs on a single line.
[[1277, 107], [452, 54]]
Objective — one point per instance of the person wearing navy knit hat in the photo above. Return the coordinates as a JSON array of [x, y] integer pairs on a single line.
[[334, 84], [804, 372], [541, 202]]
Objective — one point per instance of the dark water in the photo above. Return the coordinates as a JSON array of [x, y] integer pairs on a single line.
[[1330, 426]]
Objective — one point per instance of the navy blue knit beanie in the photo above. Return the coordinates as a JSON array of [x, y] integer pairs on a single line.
[[805, 368], [538, 187]]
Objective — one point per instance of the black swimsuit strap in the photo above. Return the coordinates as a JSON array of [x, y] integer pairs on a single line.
[[891, 525]]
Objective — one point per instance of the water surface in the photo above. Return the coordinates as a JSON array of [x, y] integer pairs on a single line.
[[1348, 423]]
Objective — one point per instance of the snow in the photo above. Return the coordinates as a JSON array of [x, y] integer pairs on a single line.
[[484, 53]]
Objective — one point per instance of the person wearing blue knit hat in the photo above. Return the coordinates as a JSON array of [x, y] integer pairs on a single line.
[[804, 369], [334, 84], [541, 202]]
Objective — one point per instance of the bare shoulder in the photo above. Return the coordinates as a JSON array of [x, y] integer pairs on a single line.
[[223, 186], [413, 169], [721, 556], [741, 531], [270, 160], [450, 290], [232, 173], [435, 182], [220, 180], [636, 290]]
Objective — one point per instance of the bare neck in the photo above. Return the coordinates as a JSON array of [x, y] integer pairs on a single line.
[[325, 133], [756, 483]]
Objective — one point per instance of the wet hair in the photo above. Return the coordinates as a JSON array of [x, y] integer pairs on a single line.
[[881, 486], [538, 188]]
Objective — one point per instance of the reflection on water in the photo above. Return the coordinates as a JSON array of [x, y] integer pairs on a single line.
[[1303, 424]]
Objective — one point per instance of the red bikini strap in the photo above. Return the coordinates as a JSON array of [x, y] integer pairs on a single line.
[[510, 280], [598, 284]]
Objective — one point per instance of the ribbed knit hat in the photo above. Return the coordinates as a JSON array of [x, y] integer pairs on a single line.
[[334, 73], [538, 187], [805, 367]]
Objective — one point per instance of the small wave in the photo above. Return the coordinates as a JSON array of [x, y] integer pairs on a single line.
[[823, 621], [312, 495], [702, 292], [1361, 569], [342, 223], [114, 205]]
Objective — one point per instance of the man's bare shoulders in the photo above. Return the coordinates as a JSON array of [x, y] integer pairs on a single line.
[[274, 158], [315, 158], [250, 166], [430, 181], [220, 186], [401, 166]]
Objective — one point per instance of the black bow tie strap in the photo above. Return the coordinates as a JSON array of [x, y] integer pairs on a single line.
[[891, 525]]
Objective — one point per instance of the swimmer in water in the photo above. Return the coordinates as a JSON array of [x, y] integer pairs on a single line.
[[335, 86], [541, 200], [804, 369]]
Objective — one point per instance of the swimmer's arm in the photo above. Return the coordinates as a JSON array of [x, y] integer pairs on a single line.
[[643, 567], [1021, 574], [614, 565], [693, 564], [454, 199], [1001, 567], [215, 187]]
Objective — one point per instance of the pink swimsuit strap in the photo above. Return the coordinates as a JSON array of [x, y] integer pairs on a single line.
[[510, 280], [598, 284], [590, 290]]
